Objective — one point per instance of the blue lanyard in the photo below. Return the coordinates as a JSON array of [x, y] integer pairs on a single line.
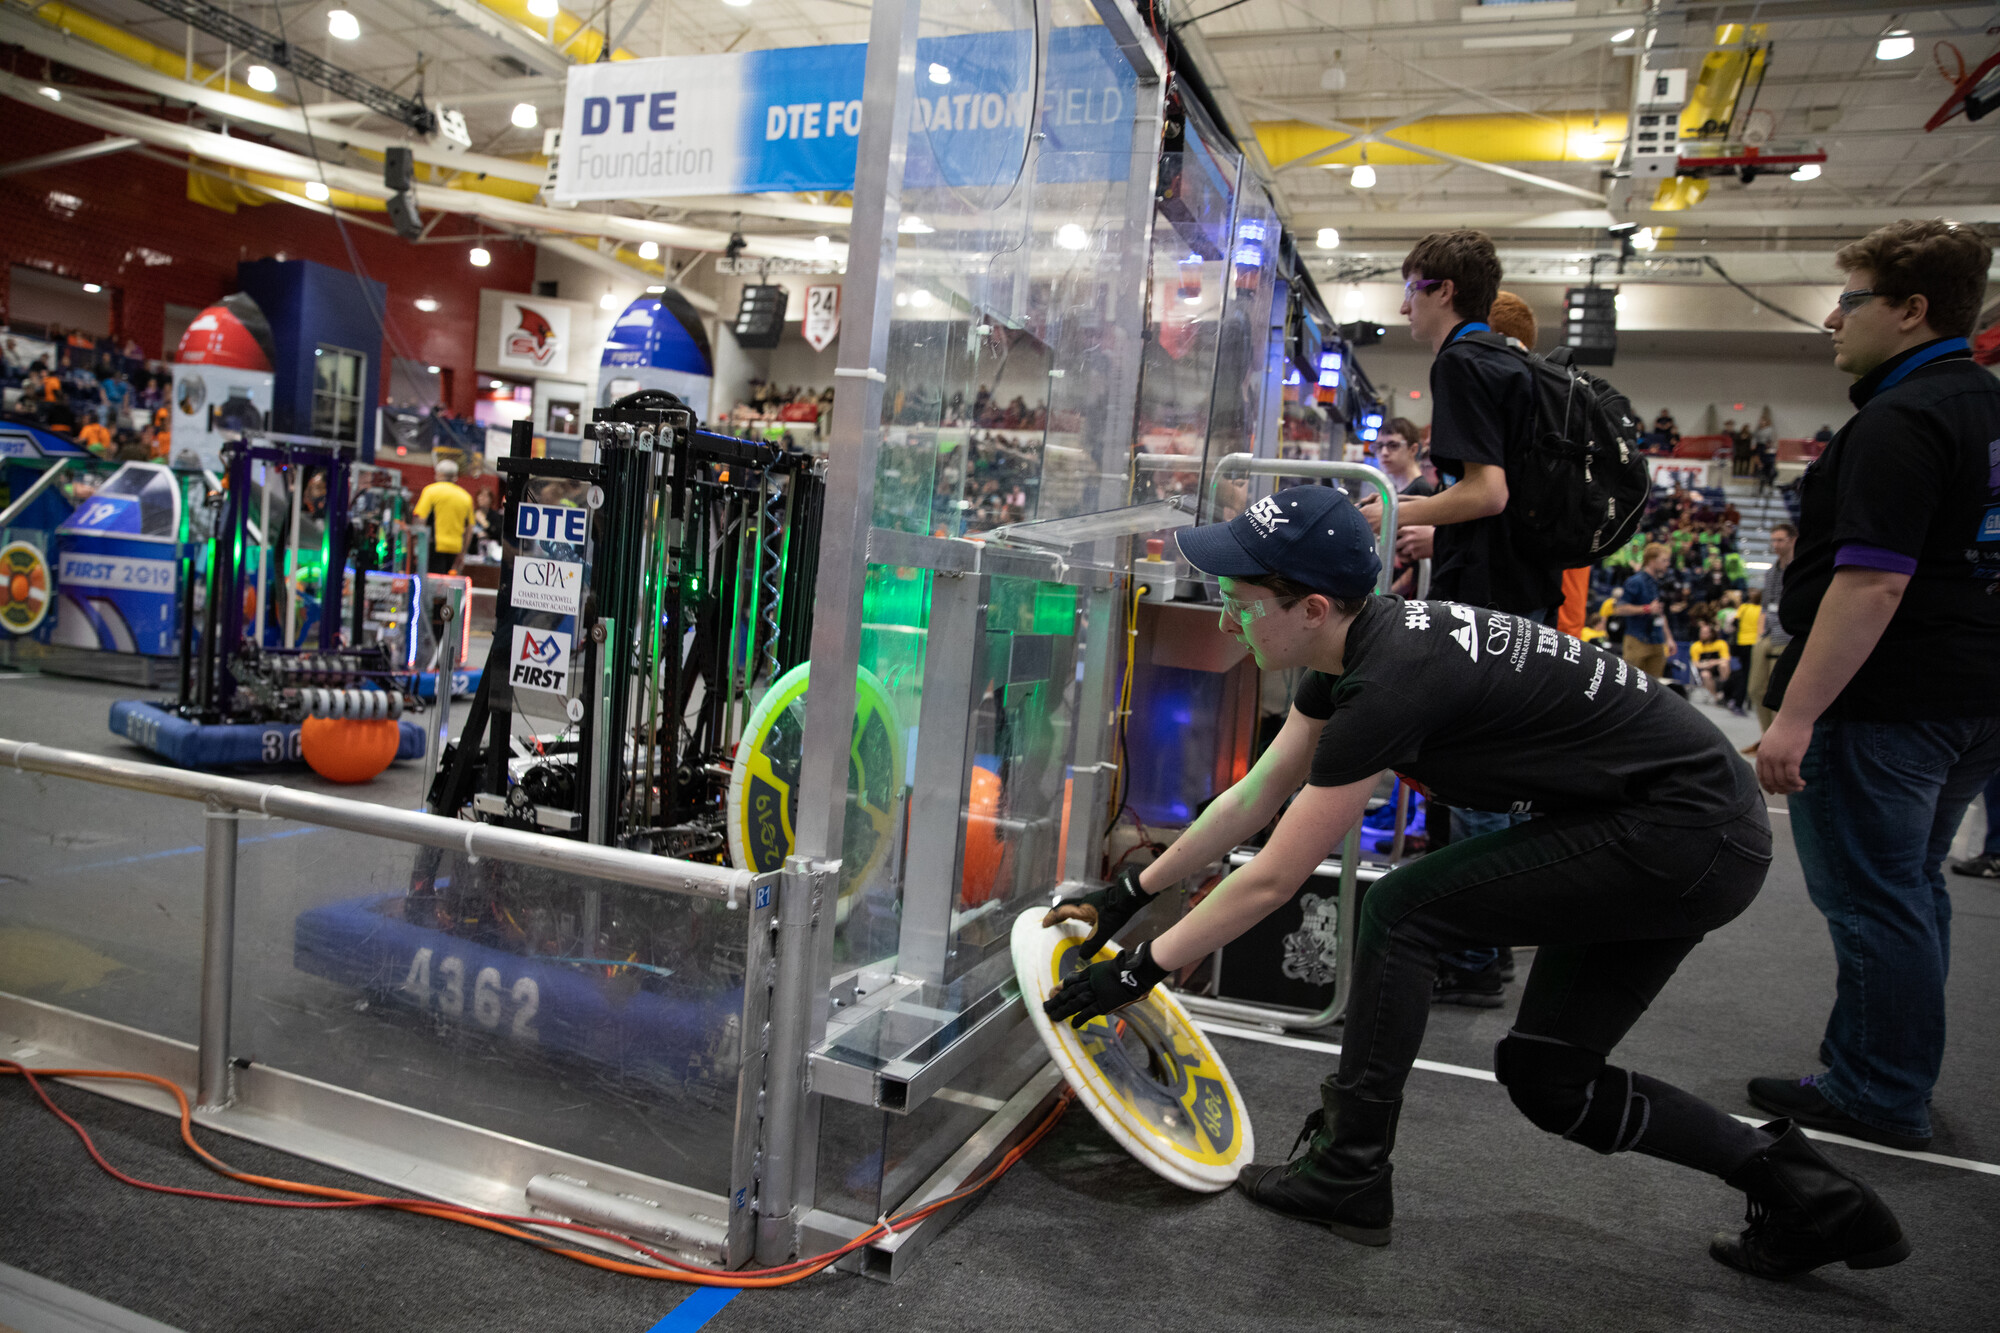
[[1475, 326], [1925, 357]]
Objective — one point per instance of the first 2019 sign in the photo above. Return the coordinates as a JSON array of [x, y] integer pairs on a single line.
[[552, 523]]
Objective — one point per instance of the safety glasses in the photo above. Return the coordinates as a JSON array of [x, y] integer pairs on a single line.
[[1415, 285], [1852, 301], [1245, 612]]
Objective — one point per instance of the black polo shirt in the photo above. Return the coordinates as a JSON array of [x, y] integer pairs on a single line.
[[1912, 484], [1483, 408]]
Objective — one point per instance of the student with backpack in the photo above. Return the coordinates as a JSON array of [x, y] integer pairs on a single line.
[[1486, 423]]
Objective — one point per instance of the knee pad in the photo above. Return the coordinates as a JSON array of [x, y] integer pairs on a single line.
[[1571, 1092]]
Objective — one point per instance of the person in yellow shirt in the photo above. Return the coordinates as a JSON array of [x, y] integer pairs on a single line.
[[448, 506], [1742, 643], [1593, 631], [1710, 657], [94, 436]]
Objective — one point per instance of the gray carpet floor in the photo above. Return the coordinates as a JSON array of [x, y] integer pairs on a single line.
[[1498, 1225]]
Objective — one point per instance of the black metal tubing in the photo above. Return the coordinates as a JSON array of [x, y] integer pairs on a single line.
[[219, 22]]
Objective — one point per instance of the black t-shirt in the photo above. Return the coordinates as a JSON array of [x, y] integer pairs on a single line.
[[1494, 712], [1913, 481], [1483, 409]]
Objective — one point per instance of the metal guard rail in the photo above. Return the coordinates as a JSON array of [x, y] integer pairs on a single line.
[[660, 873]]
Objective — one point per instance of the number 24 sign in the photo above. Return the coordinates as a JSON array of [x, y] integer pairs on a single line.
[[822, 324]]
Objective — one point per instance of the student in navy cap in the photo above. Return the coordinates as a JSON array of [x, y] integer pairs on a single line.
[[1652, 833]]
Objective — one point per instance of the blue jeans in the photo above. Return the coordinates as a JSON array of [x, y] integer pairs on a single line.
[[1473, 824], [1881, 805], [1992, 847]]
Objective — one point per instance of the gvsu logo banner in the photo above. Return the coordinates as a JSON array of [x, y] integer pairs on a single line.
[[540, 660], [790, 119]]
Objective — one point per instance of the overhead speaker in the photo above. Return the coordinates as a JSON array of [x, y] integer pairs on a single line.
[[403, 216], [399, 169]]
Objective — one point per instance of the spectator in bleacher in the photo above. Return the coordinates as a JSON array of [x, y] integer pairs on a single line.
[[94, 437], [1667, 433]]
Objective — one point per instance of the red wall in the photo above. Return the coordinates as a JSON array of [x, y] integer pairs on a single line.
[[129, 202]]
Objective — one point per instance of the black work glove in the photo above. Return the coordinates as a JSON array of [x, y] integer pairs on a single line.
[[1106, 986], [1105, 911]]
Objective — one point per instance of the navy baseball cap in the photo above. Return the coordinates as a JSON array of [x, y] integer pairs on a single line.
[[1309, 534]]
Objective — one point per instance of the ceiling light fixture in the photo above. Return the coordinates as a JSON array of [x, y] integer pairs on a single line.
[[544, 9], [1645, 239], [341, 25], [607, 302], [261, 79], [1589, 147], [736, 4], [1895, 44], [914, 226], [317, 192], [655, 290], [1808, 171], [1328, 238], [52, 94], [649, 250], [430, 370], [1364, 177], [525, 116], [1072, 237], [920, 297], [1623, 34], [426, 303], [498, 385], [480, 256], [93, 288], [1332, 79], [822, 242]]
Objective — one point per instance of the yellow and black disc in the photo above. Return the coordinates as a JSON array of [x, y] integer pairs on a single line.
[[26, 590], [1146, 1072], [763, 785]]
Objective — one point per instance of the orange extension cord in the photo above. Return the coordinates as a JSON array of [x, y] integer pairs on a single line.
[[674, 1270]]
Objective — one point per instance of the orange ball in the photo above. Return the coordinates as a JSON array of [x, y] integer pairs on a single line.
[[985, 850], [349, 749]]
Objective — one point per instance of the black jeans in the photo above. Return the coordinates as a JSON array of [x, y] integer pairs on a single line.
[[1614, 902]]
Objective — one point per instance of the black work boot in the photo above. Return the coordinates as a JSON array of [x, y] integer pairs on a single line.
[[1342, 1182], [1805, 1211]]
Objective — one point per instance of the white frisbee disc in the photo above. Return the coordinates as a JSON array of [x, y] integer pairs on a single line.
[[1146, 1072]]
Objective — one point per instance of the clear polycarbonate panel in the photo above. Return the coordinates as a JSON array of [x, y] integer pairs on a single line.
[[575, 1013], [1004, 346], [1236, 412], [1193, 283], [100, 901], [1010, 337]]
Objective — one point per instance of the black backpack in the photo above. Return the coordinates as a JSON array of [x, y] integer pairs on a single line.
[[1578, 489]]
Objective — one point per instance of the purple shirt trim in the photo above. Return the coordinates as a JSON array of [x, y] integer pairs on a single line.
[[1874, 557]]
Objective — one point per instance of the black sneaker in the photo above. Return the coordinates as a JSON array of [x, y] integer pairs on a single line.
[[1476, 988], [1800, 1099], [1978, 867]]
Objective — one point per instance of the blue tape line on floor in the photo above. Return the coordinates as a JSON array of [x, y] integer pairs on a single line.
[[700, 1307]]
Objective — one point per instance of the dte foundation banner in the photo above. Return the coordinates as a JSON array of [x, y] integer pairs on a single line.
[[789, 119]]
